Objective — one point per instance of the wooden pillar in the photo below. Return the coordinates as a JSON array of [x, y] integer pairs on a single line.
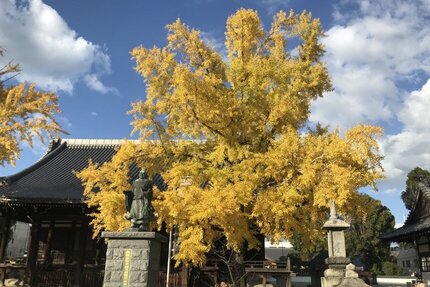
[[288, 281], [184, 276], [4, 236], [98, 255], [100, 252], [420, 264], [47, 255], [4, 239], [81, 253], [33, 250], [216, 277], [70, 248]]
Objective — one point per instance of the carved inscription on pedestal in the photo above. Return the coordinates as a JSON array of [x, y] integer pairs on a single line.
[[126, 271]]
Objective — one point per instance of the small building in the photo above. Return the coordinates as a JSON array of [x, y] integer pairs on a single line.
[[416, 231], [407, 259], [277, 251]]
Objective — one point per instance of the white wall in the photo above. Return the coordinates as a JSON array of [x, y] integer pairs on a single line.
[[17, 244]]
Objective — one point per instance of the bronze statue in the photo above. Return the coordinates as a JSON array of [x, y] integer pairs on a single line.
[[138, 202]]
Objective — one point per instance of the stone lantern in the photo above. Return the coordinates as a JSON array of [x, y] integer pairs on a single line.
[[341, 271], [336, 239]]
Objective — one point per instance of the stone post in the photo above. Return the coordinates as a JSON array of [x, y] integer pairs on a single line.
[[132, 259], [337, 259], [341, 271]]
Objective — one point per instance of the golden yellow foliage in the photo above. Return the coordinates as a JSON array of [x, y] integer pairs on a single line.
[[234, 124], [25, 112]]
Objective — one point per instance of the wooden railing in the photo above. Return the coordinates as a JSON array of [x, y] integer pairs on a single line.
[[267, 264], [216, 270], [93, 277], [63, 276], [54, 277], [175, 279]]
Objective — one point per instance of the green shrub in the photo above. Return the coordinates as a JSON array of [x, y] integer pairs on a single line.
[[391, 268]]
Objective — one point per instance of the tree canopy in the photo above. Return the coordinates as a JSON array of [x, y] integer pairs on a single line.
[[409, 194], [25, 112], [235, 125]]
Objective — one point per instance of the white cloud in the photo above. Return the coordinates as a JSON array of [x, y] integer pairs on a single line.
[[368, 53], [274, 6], [65, 123], [390, 190], [94, 114], [215, 42], [38, 147], [415, 113], [48, 50], [410, 147], [378, 56], [93, 82]]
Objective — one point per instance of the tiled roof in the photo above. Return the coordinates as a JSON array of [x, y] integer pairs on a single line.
[[409, 230], [414, 225], [422, 192], [51, 179]]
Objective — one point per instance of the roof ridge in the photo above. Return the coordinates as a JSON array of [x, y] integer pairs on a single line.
[[109, 142]]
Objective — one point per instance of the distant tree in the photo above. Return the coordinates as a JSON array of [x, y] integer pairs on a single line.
[[236, 122], [306, 251], [414, 176], [370, 220], [25, 113], [391, 269]]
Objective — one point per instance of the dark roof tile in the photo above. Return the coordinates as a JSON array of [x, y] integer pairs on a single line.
[[408, 231], [413, 225], [52, 177]]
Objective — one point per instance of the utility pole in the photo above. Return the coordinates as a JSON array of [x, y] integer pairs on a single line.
[[186, 181], [169, 257]]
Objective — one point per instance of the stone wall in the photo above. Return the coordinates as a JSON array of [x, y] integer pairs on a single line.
[[132, 259]]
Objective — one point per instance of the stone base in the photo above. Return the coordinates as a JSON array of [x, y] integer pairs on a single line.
[[336, 277], [342, 282], [332, 277], [132, 258], [353, 282], [337, 262]]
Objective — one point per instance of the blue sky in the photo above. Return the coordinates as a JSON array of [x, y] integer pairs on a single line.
[[378, 54]]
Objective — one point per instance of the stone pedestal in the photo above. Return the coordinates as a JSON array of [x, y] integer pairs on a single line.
[[132, 259], [336, 272], [351, 278]]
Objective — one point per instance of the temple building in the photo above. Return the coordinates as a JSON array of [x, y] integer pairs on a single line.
[[416, 229], [52, 242], [46, 237]]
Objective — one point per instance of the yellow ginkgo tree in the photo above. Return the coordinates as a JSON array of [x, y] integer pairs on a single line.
[[235, 124], [25, 112]]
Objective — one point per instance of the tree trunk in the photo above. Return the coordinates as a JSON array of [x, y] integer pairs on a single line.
[[239, 267]]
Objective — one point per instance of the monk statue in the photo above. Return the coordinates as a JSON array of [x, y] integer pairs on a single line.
[[138, 202]]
